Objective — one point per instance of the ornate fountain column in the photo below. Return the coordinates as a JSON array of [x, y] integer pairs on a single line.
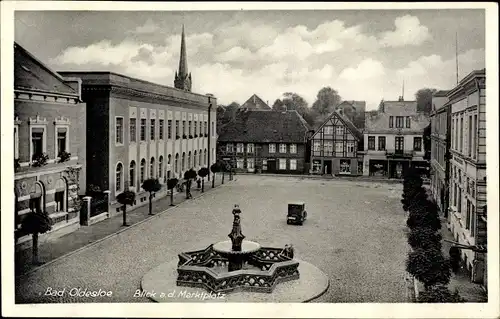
[[236, 236]]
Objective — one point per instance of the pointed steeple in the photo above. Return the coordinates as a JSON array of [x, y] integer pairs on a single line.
[[182, 78]]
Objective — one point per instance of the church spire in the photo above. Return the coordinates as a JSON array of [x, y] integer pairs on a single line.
[[182, 78]]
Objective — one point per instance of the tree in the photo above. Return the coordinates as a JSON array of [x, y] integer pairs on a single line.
[[427, 142], [422, 216], [171, 183], [425, 238], [36, 223], [215, 168], [439, 294], [203, 172], [428, 266], [189, 176], [424, 100], [279, 106], [126, 198], [293, 101], [326, 101], [230, 112], [151, 185]]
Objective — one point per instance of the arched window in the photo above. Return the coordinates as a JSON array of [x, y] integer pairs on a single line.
[[160, 167], [169, 159], [194, 159], [205, 158], [61, 195], [183, 162], [176, 164], [37, 197], [201, 158], [189, 160], [143, 169], [131, 177], [119, 177], [152, 168]]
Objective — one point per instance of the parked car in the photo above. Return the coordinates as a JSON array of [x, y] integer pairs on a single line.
[[296, 213]]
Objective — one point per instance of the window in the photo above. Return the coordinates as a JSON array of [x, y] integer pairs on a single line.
[[339, 147], [213, 129], [169, 129], [381, 143], [328, 148], [183, 162], [474, 137], [152, 129], [201, 158], [391, 121], [143, 170], [60, 195], [250, 163], [417, 144], [239, 148], [205, 162], [345, 167], [37, 141], [282, 148], [316, 146], [250, 148], [408, 120], [461, 134], [400, 143], [272, 148], [176, 128], [160, 167], [132, 174], [189, 128], [161, 130], [119, 130], [176, 163], [399, 121], [472, 220], [201, 130], [189, 160], [183, 127], [61, 140], [282, 163], [456, 133], [194, 159], [339, 131], [293, 148], [143, 129], [469, 138], [152, 168], [467, 220], [328, 130], [118, 177], [293, 164], [195, 126], [351, 147], [206, 127], [240, 163], [371, 142], [229, 147], [133, 129]]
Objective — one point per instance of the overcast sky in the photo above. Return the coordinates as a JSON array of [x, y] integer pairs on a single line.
[[363, 54]]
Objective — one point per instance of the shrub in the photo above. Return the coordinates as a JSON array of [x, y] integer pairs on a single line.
[[413, 196], [428, 266], [439, 294], [40, 159], [423, 215], [454, 259], [36, 223], [171, 183], [125, 198], [151, 185], [425, 238], [64, 156]]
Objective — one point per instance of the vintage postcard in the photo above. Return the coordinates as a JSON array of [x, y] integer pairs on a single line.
[[249, 159]]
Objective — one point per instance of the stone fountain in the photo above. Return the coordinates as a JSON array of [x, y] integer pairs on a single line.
[[240, 270]]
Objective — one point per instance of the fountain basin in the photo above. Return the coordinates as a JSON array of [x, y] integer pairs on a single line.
[[224, 248]]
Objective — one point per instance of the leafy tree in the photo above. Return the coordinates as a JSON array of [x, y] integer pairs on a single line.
[[189, 176], [36, 223], [424, 100], [126, 198], [326, 101], [428, 266], [293, 101], [425, 238], [171, 183], [427, 142], [424, 216], [279, 106], [215, 168], [203, 172], [439, 294], [151, 185], [231, 111]]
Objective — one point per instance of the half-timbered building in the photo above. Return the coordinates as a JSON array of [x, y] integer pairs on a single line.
[[335, 147]]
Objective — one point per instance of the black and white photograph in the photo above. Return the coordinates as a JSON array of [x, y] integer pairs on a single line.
[[274, 160]]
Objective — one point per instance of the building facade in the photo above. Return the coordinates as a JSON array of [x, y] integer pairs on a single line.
[[49, 145], [440, 146], [393, 139], [266, 141], [142, 130], [335, 147], [467, 207]]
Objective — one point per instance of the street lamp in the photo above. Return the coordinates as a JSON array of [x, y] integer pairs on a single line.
[[209, 129]]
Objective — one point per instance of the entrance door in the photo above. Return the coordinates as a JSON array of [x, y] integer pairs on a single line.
[[327, 167], [271, 166]]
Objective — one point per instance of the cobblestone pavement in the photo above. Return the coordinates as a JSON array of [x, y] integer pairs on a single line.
[[354, 233]]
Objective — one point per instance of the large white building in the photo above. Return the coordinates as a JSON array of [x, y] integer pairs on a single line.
[[467, 216], [393, 139]]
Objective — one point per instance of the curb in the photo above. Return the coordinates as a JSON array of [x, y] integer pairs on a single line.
[[150, 217]]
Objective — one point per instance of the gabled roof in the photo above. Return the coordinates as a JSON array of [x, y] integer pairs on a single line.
[[32, 74], [260, 126], [347, 123], [255, 102]]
